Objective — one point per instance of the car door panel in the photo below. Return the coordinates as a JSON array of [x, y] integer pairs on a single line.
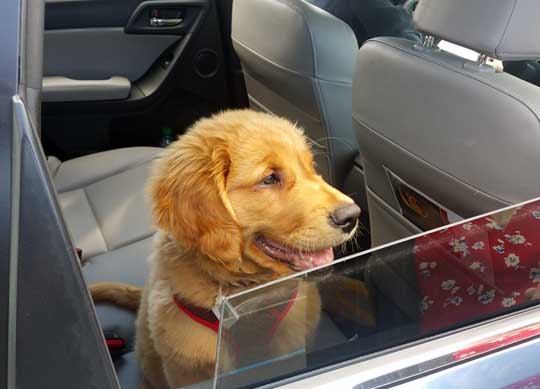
[[101, 53], [126, 49], [176, 74], [65, 14]]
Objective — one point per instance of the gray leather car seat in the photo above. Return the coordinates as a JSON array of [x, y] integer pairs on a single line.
[[457, 132], [102, 197], [298, 62]]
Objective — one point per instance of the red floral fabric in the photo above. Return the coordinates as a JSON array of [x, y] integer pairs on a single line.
[[478, 267]]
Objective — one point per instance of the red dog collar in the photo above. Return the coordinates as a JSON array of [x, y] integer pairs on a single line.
[[207, 318], [201, 315]]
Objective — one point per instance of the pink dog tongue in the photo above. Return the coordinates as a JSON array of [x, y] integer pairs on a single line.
[[309, 260], [298, 259]]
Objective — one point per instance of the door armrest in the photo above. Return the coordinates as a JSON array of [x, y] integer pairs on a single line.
[[67, 89]]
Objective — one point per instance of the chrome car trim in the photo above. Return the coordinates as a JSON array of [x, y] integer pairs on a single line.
[[9, 183], [422, 358]]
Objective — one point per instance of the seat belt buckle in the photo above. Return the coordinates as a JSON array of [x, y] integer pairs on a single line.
[[79, 253], [115, 344]]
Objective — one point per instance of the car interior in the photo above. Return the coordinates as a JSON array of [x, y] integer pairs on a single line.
[[105, 79], [399, 134]]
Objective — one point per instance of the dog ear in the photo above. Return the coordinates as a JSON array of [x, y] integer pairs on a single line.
[[189, 194]]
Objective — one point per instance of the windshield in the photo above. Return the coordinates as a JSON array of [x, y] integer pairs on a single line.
[[411, 290]]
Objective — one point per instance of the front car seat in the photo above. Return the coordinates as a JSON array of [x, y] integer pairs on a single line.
[[459, 136], [298, 62]]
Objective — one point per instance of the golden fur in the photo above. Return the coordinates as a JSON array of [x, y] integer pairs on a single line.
[[209, 205]]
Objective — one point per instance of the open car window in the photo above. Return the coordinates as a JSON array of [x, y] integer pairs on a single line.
[[412, 290]]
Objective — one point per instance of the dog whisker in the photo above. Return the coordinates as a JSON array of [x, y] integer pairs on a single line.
[[362, 227], [313, 142]]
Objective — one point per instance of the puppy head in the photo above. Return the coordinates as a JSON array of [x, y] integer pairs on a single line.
[[241, 189], [189, 195]]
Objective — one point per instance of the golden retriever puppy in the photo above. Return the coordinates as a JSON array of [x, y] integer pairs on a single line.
[[238, 203]]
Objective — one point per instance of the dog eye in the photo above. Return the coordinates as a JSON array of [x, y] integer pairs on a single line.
[[271, 179]]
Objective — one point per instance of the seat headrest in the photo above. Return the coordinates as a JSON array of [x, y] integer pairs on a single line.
[[503, 29]]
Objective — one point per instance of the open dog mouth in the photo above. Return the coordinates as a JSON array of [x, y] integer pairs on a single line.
[[297, 259]]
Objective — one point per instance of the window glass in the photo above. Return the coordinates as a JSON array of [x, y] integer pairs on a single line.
[[411, 290]]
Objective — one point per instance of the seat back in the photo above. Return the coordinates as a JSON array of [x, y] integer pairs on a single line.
[[441, 135], [298, 62]]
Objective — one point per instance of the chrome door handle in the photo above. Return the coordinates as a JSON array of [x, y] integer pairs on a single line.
[[156, 22]]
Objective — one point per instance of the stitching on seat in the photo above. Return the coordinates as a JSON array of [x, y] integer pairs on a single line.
[[304, 75], [114, 173], [270, 111], [325, 125], [414, 155], [312, 36], [134, 240], [91, 206], [505, 28], [303, 16], [435, 61]]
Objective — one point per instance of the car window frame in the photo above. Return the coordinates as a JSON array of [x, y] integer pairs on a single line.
[[411, 361], [9, 77]]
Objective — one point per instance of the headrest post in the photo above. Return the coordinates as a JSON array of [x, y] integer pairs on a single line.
[[482, 59], [428, 42]]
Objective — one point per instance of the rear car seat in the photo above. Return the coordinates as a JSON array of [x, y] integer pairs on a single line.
[[454, 134], [103, 201]]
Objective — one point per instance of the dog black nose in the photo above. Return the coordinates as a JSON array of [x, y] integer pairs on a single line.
[[345, 217]]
